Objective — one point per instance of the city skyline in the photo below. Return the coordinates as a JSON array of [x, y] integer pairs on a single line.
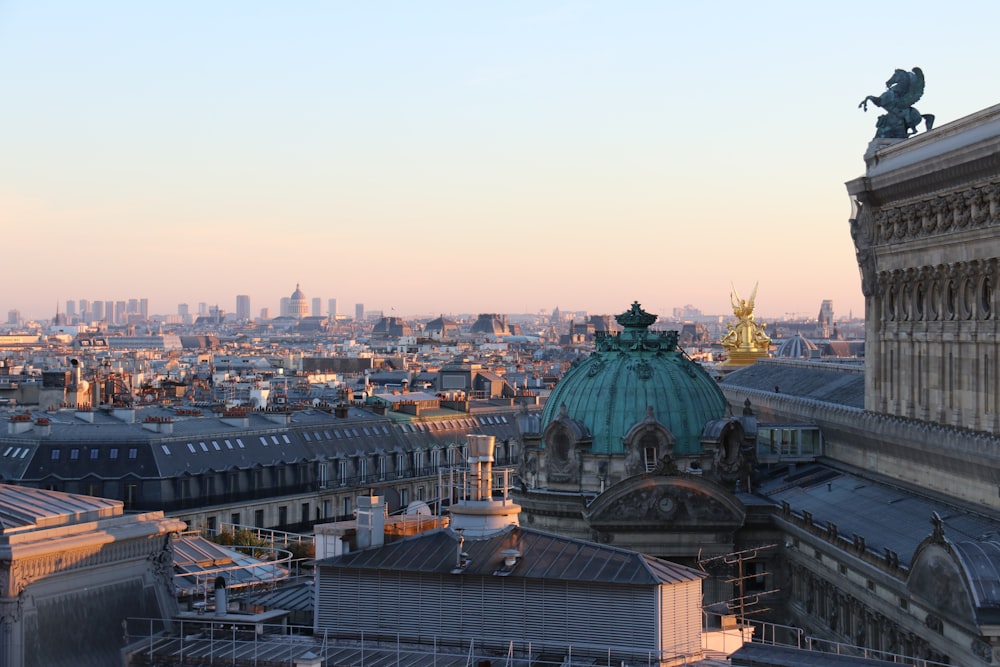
[[454, 157]]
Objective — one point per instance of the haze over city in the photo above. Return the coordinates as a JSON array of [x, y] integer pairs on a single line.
[[454, 157]]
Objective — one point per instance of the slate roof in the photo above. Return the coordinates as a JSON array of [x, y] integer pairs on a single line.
[[888, 517], [829, 383], [109, 448], [543, 555]]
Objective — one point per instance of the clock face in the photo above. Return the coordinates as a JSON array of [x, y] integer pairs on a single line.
[[665, 504]]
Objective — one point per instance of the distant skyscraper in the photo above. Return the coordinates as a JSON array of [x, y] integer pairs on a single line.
[[265, 314], [331, 306], [243, 307], [144, 308], [825, 317], [97, 311], [109, 311], [70, 308], [202, 309], [13, 316], [284, 307], [359, 312], [84, 309], [121, 313], [317, 306]]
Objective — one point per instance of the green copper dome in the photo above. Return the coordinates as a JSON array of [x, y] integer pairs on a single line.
[[612, 390]]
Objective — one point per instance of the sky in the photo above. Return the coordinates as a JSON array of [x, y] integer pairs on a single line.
[[455, 157]]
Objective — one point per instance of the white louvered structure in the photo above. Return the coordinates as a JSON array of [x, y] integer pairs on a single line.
[[562, 595]]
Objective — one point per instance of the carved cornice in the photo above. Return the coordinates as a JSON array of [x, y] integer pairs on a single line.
[[18, 573], [947, 212]]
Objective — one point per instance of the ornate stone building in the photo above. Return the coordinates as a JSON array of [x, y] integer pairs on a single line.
[[881, 534], [634, 447], [72, 568], [925, 231]]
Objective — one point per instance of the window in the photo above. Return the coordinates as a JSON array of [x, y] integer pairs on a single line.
[[322, 475], [93, 489], [342, 472], [239, 441], [133, 453], [286, 439], [166, 450], [380, 467], [316, 435], [74, 454], [418, 462], [215, 445], [191, 447], [274, 439], [404, 497], [55, 454], [305, 513], [7, 451], [203, 446], [347, 506], [400, 465], [113, 453], [234, 518], [306, 435], [229, 444], [258, 518], [210, 526], [362, 470], [365, 429], [130, 495], [263, 441], [283, 515]]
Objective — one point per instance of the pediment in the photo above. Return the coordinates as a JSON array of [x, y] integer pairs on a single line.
[[663, 502]]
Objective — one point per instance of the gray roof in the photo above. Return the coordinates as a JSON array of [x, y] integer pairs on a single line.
[[542, 556], [830, 383], [109, 448], [888, 517]]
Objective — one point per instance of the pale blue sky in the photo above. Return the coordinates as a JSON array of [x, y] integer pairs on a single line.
[[454, 156]]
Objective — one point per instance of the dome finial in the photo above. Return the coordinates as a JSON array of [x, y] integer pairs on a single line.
[[635, 318]]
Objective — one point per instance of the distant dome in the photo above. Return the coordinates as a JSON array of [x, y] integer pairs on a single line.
[[298, 294], [611, 391], [797, 347]]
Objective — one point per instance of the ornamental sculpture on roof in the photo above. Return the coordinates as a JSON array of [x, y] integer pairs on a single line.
[[636, 337], [900, 119], [746, 340]]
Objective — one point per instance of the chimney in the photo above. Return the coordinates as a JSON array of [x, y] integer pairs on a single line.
[[221, 604], [481, 449]]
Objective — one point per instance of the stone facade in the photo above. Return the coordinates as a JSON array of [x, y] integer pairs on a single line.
[[925, 233], [72, 569]]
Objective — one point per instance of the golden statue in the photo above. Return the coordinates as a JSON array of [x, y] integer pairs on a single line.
[[746, 341]]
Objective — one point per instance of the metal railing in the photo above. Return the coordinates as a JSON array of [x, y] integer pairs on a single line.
[[775, 634], [205, 641]]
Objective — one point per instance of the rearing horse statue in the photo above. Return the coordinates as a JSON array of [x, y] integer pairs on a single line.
[[903, 89]]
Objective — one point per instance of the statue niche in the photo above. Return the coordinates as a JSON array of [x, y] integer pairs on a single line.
[[562, 438]]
